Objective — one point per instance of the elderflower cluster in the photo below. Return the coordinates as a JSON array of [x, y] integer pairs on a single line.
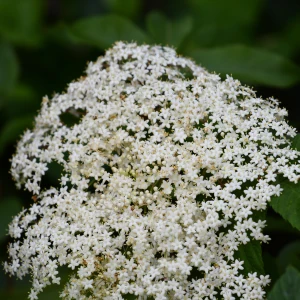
[[164, 175]]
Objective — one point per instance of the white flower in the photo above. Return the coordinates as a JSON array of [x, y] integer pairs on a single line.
[[154, 172], [166, 186]]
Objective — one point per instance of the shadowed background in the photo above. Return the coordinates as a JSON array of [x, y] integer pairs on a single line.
[[44, 45]]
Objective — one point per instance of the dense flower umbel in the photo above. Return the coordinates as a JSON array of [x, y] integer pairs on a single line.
[[163, 177]]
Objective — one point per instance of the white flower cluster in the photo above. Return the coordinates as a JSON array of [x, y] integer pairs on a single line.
[[163, 175]]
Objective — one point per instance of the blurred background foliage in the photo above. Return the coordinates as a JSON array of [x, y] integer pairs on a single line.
[[45, 44]]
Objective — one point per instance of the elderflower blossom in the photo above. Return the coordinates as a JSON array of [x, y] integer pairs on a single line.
[[163, 178]]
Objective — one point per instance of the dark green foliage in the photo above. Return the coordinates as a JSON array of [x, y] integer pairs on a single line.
[[72, 116], [166, 32], [288, 203], [12, 130], [9, 207], [289, 255], [8, 69], [20, 21], [130, 10], [251, 254], [287, 287], [103, 31], [251, 65], [296, 142], [52, 176]]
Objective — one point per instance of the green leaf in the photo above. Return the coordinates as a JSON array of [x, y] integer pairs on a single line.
[[103, 31], [279, 225], [270, 266], [20, 21], [288, 203], [8, 68], [9, 207], [226, 13], [251, 65], [286, 42], [251, 254], [168, 32], [13, 129], [296, 142], [287, 287], [23, 100], [290, 41], [289, 255], [206, 35], [222, 22], [130, 10], [62, 34]]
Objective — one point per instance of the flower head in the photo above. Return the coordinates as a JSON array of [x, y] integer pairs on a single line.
[[163, 176]]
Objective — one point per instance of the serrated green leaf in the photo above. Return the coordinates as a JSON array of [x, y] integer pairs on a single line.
[[287, 287], [103, 31], [168, 32], [288, 203], [8, 68], [8, 208], [251, 255], [248, 64], [20, 21]]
